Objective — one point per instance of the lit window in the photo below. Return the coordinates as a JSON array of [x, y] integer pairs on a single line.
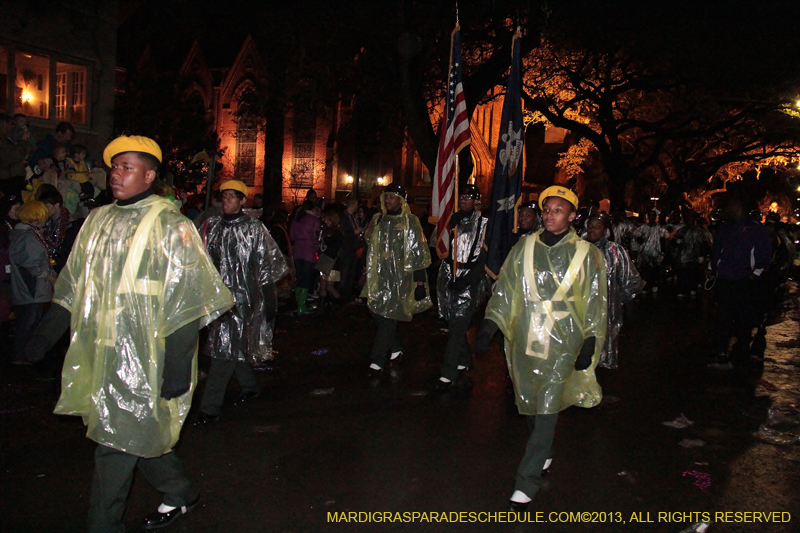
[[71, 93], [32, 84], [246, 137], [304, 134]]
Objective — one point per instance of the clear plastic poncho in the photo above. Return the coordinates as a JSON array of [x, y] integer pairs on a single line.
[[136, 274], [249, 262], [547, 300], [454, 303], [397, 248], [695, 246], [647, 242], [624, 282]]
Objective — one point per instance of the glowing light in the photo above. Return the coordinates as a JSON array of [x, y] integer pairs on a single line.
[[349, 179], [380, 180], [797, 103], [773, 207], [27, 97]]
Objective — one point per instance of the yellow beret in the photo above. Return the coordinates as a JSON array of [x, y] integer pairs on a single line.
[[134, 143], [559, 192], [233, 185]]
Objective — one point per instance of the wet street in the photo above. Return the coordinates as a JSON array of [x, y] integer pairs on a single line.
[[323, 443]]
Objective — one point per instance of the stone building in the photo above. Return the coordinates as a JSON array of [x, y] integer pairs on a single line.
[[58, 63], [318, 153]]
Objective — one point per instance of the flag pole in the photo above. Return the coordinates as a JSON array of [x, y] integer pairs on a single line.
[[455, 210]]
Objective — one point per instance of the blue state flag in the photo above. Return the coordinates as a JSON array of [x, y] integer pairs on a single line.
[[507, 184]]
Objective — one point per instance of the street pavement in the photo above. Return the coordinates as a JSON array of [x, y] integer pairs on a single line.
[[323, 443]]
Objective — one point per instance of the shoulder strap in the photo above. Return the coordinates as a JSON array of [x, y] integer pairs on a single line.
[[127, 283]]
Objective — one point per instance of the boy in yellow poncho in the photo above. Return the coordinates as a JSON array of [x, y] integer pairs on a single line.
[[550, 303], [136, 289], [396, 286]]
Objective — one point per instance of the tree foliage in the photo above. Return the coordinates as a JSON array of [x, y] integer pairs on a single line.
[[163, 107]]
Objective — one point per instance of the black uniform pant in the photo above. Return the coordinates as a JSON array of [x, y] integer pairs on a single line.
[[219, 375], [689, 277], [737, 303], [113, 474], [540, 448], [386, 340], [348, 269], [28, 315], [458, 351]]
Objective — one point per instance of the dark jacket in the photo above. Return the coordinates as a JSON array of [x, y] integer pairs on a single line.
[[740, 249]]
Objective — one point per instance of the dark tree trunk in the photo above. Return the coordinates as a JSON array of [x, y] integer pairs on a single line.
[[275, 114]]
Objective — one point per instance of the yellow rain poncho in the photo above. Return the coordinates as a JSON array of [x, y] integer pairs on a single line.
[[397, 247], [546, 302], [136, 274]]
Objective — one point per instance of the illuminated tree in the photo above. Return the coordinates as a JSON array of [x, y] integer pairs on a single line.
[[647, 125]]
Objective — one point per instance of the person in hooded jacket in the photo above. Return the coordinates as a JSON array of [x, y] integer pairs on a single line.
[[396, 286]]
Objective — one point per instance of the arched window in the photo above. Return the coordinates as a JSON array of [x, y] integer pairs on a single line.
[[303, 137], [246, 137]]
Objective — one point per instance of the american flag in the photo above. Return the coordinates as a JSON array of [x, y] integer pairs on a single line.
[[453, 137]]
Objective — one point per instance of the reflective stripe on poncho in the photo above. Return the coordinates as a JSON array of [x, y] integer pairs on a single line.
[[136, 274], [547, 300]]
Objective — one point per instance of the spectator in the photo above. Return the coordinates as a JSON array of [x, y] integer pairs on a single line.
[[12, 160], [304, 234], [8, 214], [351, 233], [32, 277], [329, 262], [20, 134], [63, 135]]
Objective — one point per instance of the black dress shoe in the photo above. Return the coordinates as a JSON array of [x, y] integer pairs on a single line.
[[375, 373], [158, 520], [204, 420], [517, 507], [246, 397]]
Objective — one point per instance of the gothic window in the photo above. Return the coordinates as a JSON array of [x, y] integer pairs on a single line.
[[246, 137], [303, 137]]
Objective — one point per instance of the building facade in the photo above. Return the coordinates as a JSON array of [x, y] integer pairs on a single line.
[[317, 151], [58, 65]]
